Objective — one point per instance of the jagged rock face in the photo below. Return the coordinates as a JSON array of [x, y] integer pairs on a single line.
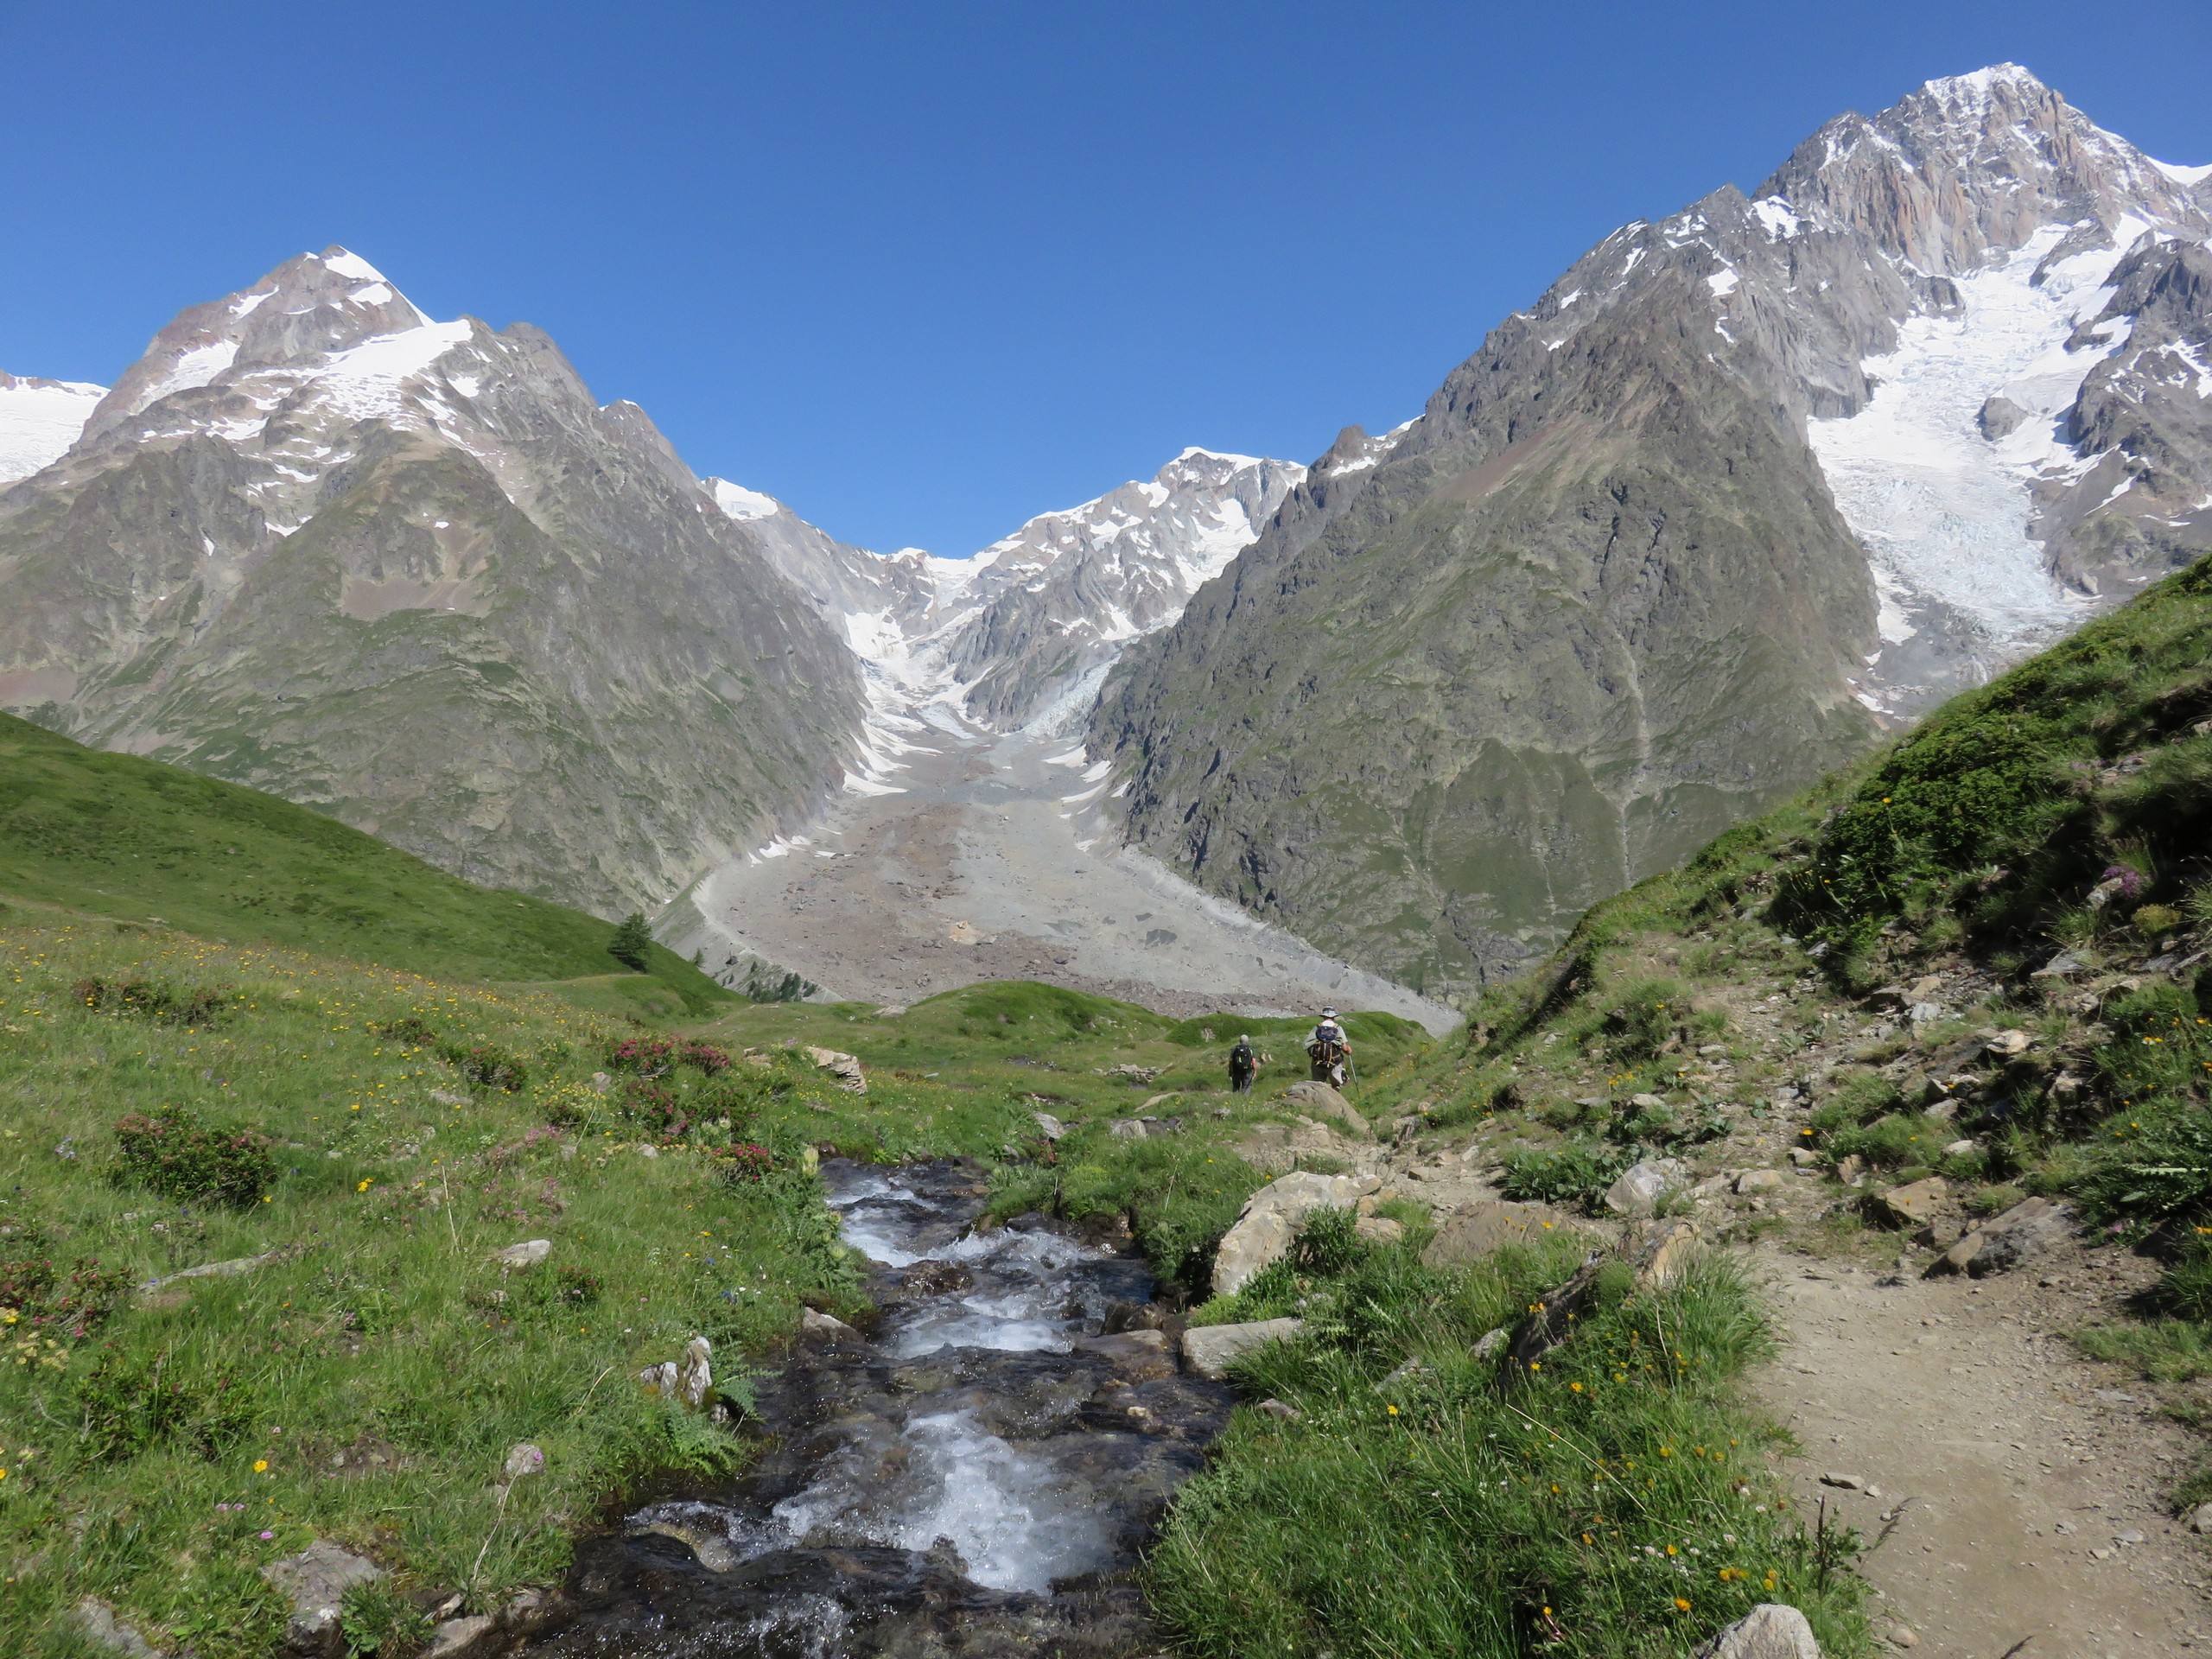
[[408, 573], [1744, 485], [1025, 630], [1051, 606]]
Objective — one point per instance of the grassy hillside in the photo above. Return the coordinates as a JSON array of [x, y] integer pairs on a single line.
[[137, 841]]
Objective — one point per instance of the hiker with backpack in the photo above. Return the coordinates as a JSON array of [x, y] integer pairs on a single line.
[[1243, 1066], [1329, 1049]]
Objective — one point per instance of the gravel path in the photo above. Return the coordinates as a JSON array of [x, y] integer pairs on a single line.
[[2025, 1480]]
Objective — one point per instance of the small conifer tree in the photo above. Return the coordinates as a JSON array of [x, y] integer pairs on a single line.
[[631, 943]]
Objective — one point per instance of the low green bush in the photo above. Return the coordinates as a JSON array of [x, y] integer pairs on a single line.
[[486, 1065], [1577, 1173], [169, 1151], [153, 999], [1900, 1140]]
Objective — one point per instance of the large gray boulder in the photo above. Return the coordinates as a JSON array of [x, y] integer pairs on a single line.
[[1210, 1348], [1271, 1218], [1770, 1630]]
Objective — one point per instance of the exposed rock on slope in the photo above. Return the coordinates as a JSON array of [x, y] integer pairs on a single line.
[[409, 573], [1613, 590]]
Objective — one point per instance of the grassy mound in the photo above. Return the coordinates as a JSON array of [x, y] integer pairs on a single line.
[[134, 840], [1612, 1502]]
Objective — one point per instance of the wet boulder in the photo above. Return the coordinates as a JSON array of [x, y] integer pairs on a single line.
[[1136, 1356]]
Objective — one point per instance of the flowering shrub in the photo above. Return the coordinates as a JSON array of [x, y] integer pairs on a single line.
[[745, 1161], [150, 999], [655, 1057], [407, 1030], [37, 1296], [486, 1065], [173, 1154], [657, 1108]]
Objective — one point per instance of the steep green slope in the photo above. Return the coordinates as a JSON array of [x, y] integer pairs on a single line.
[[139, 841]]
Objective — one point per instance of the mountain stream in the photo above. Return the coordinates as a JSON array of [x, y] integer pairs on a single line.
[[973, 1477]]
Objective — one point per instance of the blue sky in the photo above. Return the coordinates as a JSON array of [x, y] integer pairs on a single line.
[[924, 270]]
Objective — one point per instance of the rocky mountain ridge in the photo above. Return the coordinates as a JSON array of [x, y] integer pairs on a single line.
[[411, 573], [1744, 487]]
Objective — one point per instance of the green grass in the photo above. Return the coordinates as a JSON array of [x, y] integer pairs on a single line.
[[1613, 1503], [161, 1448], [133, 840]]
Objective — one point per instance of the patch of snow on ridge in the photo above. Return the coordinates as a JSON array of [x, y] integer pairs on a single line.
[[39, 420], [740, 503], [1945, 511], [352, 265], [365, 381], [2190, 176]]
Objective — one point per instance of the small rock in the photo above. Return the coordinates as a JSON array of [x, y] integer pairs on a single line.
[[813, 1320], [98, 1621], [447, 1097], [1324, 1102], [1048, 1126], [659, 1379], [1922, 1013], [844, 1067], [1126, 1129], [1210, 1348], [2059, 966], [458, 1637], [1665, 1246], [523, 1459], [1961, 1148], [1648, 1103], [2006, 1044], [1760, 1180], [1282, 1411], [1136, 1355], [1846, 1483], [528, 1253], [1379, 1229], [316, 1580], [2130, 1536], [530, 1612], [1641, 1185], [1804, 1158], [1899, 1636], [600, 1082], [1852, 1170], [1911, 1206], [2026, 1230], [2200, 1522], [1770, 1630], [1492, 1343], [1926, 987]]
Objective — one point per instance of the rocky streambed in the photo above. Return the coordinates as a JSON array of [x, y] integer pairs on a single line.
[[975, 1476]]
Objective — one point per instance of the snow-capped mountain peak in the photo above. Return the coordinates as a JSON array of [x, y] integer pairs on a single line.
[[39, 420]]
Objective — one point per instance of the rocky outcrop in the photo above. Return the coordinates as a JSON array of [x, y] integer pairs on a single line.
[[411, 573], [1770, 1630], [1639, 569], [315, 1581], [1271, 1217]]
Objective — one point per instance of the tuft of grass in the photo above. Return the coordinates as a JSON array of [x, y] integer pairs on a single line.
[[2165, 1350]]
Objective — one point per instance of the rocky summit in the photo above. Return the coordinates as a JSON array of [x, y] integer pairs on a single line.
[[409, 573], [1744, 488]]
